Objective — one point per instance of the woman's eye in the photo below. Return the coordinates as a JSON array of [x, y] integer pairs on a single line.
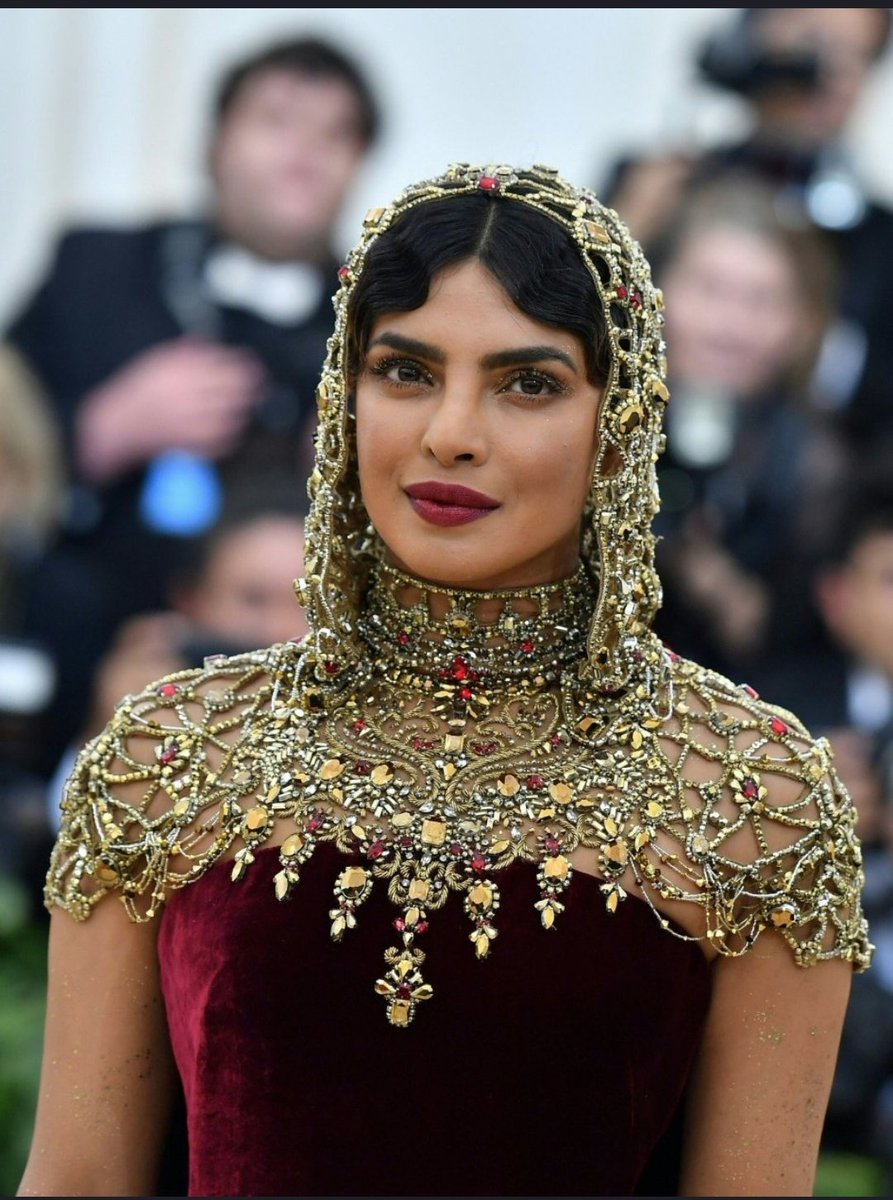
[[402, 373], [407, 374], [532, 383]]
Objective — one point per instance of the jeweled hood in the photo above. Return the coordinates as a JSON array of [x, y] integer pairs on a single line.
[[617, 541]]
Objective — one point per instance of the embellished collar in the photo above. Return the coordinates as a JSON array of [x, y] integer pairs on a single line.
[[423, 634]]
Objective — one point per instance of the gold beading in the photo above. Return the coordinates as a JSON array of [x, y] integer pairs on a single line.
[[435, 743], [617, 544]]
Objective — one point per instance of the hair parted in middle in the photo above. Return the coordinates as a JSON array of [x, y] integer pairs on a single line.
[[566, 260]]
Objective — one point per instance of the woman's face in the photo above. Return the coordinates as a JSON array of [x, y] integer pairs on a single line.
[[735, 318], [467, 392]]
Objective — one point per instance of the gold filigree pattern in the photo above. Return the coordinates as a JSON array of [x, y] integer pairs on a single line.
[[437, 737], [432, 772]]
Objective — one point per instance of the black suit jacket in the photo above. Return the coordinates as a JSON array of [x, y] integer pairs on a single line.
[[813, 687], [111, 294]]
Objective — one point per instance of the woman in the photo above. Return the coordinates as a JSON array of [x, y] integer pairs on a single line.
[[754, 472], [480, 740]]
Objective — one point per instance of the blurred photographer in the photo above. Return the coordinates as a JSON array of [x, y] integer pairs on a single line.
[[751, 475], [182, 356], [802, 73]]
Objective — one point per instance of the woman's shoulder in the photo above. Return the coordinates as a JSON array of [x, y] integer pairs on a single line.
[[151, 799], [757, 825]]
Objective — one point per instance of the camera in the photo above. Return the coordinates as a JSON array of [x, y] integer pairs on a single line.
[[738, 61], [201, 645]]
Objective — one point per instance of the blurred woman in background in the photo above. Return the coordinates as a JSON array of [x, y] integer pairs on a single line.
[[753, 473]]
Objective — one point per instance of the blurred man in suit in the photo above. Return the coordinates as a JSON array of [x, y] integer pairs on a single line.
[[182, 355]]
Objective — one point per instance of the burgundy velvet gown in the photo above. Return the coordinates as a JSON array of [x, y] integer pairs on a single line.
[[552, 1067]]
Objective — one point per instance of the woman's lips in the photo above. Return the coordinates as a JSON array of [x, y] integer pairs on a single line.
[[449, 503]]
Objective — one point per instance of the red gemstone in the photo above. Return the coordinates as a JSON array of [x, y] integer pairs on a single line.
[[344, 272], [332, 668], [552, 845], [536, 782], [636, 299], [376, 849], [484, 747], [168, 689], [461, 669], [362, 766], [489, 183], [752, 692], [399, 924], [406, 843], [622, 292], [778, 726], [421, 927], [455, 849], [402, 638], [465, 693], [749, 789], [168, 756], [359, 725], [527, 647], [314, 823], [478, 862], [555, 739], [404, 991]]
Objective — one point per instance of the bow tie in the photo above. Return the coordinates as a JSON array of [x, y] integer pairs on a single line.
[[284, 293]]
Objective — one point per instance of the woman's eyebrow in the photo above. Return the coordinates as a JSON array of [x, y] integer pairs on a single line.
[[527, 354], [407, 345]]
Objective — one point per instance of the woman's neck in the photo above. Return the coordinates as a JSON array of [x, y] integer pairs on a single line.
[[423, 628]]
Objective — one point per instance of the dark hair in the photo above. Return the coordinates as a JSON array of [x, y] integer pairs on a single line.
[[528, 253], [743, 201], [868, 510], [249, 500], [306, 56]]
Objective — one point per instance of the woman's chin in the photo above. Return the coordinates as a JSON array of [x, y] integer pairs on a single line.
[[439, 570]]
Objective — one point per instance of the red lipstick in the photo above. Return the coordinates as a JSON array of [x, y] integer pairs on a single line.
[[449, 503]]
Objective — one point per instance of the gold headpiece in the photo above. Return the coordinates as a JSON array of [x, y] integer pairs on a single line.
[[617, 544]]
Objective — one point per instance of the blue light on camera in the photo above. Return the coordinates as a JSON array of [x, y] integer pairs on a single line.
[[182, 495]]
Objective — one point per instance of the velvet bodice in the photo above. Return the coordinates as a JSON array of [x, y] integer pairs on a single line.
[[551, 1068]]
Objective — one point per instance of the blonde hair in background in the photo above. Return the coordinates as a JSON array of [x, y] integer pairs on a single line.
[[31, 460]]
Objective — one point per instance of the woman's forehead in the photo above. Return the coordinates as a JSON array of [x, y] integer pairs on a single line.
[[468, 307]]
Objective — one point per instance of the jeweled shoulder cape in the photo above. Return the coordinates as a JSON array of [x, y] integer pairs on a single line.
[[432, 776]]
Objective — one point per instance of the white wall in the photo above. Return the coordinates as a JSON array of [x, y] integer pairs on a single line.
[[102, 114]]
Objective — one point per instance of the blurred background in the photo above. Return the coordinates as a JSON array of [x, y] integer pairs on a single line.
[[179, 188]]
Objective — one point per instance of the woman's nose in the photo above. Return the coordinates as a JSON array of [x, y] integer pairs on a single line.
[[456, 429]]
